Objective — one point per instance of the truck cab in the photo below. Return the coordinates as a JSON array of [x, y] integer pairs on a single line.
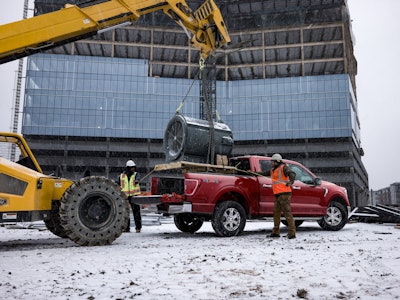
[[310, 194]]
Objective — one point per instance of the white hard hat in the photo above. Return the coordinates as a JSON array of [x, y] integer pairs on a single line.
[[276, 157], [130, 163]]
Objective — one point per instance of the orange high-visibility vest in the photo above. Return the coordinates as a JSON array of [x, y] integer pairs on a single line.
[[129, 187], [279, 180]]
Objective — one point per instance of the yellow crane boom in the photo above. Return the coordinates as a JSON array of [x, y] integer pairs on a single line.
[[71, 23]]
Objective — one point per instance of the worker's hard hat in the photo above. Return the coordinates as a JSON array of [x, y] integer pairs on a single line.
[[130, 163], [276, 157]]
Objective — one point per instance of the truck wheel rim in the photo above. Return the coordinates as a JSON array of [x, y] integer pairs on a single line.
[[231, 219], [333, 216]]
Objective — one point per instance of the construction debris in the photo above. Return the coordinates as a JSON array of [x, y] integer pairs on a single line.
[[376, 214]]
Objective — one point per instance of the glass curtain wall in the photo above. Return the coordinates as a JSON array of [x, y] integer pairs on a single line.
[[114, 97]]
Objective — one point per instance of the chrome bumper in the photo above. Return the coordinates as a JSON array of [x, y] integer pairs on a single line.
[[186, 207]]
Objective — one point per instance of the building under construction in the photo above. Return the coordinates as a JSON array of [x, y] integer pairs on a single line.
[[285, 84]]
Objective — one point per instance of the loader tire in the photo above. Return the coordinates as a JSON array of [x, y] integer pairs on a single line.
[[94, 211], [53, 221]]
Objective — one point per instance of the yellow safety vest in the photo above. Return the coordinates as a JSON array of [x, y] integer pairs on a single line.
[[128, 186]]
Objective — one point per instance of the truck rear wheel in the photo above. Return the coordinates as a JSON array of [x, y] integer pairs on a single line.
[[187, 223], [94, 211], [229, 218], [297, 223], [335, 218]]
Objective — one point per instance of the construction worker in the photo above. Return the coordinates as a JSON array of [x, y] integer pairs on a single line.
[[129, 182], [282, 179]]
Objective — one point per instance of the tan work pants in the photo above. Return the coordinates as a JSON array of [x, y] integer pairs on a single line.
[[282, 205]]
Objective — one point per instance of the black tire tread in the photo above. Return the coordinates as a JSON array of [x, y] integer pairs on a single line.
[[187, 223], [77, 194], [53, 222]]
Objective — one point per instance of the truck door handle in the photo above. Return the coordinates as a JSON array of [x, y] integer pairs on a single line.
[[296, 187], [267, 185]]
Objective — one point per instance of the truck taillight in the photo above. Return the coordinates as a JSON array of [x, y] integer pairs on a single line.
[[154, 186], [191, 186]]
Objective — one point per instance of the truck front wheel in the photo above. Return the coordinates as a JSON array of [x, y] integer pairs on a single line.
[[229, 218], [335, 218], [94, 211], [187, 223]]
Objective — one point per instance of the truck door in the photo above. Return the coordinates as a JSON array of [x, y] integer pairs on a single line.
[[306, 195]]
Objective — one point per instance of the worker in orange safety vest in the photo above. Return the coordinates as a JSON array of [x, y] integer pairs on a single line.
[[129, 182], [282, 179]]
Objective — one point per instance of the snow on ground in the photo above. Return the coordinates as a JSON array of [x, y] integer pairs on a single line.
[[362, 261]]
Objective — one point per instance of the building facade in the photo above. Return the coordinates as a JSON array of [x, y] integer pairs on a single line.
[[387, 196], [290, 88]]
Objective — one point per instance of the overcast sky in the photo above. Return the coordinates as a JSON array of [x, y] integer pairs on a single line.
[[376, 27]]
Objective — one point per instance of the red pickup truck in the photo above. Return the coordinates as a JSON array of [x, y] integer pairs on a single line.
[[229, 195]]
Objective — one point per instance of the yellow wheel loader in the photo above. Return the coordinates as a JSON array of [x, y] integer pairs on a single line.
[[91, 211]]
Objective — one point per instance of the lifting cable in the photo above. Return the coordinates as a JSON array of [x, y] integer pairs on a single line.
[[201, 67]]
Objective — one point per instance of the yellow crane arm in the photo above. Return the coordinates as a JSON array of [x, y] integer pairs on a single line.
[[71, 23]]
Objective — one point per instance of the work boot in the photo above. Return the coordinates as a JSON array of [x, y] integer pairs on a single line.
[[137, 230], [291, 236], [274, 235]]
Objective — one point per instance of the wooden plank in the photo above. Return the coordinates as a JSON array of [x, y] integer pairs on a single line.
[[195, 167]]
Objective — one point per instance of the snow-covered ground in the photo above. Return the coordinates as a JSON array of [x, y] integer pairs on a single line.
[[362, 261]]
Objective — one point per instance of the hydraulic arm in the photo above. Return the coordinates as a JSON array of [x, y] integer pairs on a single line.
[[71, 23]]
